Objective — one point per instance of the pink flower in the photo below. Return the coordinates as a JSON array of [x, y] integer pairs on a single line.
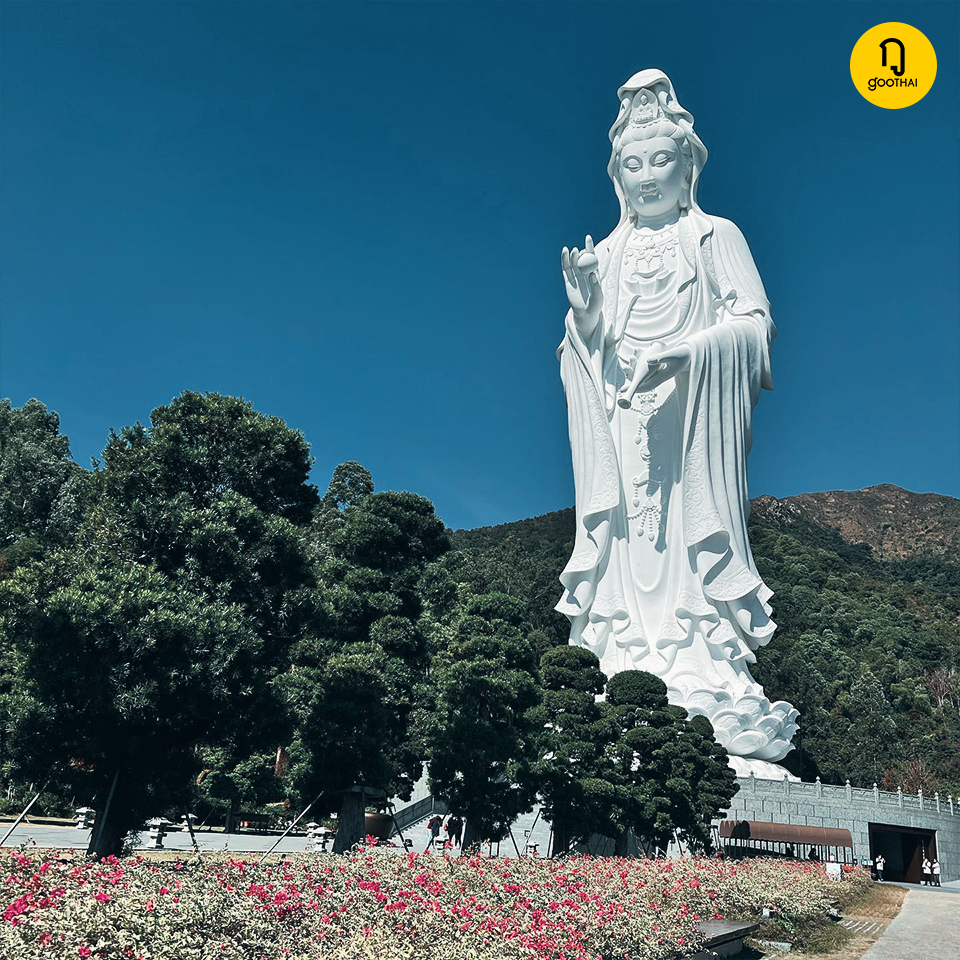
[[83, 951], [102, 897], [150, 905]]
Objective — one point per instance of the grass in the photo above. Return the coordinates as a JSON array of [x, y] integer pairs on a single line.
[[882, 902], [821, 939]]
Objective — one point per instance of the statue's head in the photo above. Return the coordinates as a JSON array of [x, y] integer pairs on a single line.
[[656, 157]]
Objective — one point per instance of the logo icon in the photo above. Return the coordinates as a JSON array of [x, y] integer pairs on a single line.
[[903, 55], [893, 65]]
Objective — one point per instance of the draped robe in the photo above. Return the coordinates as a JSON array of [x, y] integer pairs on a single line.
[[662, 577]]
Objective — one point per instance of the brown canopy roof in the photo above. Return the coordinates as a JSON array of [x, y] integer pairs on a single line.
[[785, 833]]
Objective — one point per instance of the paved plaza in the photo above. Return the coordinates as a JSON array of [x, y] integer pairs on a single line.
[[66, 837], [927, 927]]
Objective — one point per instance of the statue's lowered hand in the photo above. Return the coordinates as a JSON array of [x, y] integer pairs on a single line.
[[583, 286], [656, 366]]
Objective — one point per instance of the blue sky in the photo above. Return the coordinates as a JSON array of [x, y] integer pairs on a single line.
[[351, 215]]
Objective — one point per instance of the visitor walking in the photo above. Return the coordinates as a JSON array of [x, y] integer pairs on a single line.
[[434, 824], [936, 872], [879, 864], [927, 873]]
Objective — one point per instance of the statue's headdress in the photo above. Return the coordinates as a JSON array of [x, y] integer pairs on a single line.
[[644, 108], [648, 98]]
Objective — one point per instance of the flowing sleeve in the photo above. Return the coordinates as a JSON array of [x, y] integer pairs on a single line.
[[730, 363], [741, 289], [596, 471]]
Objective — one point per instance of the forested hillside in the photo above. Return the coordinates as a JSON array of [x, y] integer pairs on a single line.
[[868, 645]]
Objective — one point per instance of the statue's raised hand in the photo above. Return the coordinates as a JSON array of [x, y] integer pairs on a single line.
[[583, 286]]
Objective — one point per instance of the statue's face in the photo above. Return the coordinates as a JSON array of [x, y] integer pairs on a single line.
[[651, 172]]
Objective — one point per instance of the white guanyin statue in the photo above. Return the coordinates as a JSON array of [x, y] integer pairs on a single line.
[[667, 347]]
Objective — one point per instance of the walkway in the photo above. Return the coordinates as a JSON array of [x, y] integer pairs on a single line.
[[927, 928], [48, 836]]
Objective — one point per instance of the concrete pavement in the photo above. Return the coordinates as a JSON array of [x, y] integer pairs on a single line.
[[66, 837], [927, 928]]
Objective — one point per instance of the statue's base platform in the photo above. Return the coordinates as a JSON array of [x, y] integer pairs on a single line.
[[761, 769]]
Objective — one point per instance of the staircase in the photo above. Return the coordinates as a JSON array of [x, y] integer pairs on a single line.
[[418, 811], [530, 834]]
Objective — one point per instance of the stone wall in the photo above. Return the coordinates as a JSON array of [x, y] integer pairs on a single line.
[[853, 809]]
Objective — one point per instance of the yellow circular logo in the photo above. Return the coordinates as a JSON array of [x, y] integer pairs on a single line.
[[893, 65]]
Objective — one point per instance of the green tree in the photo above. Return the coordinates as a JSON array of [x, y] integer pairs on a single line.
[[118, 673], [359, 675], [871, 731], [42, 491], [668, 774], [479, 738], [572, 740], [204, 514]]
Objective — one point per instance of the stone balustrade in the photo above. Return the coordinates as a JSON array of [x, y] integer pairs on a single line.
[[861, 796]]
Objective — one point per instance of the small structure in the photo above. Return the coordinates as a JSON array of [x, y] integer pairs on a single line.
[[318, 837], [255, 822], [723, 938], [156, 831], [750, 838], [903, 827], [85, 817]]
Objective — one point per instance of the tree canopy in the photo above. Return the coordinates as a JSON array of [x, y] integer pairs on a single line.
[[478, 733], [160, 624]]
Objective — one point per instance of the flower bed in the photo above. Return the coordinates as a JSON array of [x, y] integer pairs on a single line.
[[390, 906]]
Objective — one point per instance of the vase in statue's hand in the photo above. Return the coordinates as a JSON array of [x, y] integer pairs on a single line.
[[583, 286]]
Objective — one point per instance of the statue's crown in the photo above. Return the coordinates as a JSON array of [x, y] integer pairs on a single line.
[[645, 109]]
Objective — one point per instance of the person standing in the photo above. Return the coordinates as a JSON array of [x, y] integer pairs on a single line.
[[927, 872], [935, 869], [879, 864], [433, 825], [455, 828]]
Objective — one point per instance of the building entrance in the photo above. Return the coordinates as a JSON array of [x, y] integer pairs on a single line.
[[903, 849]]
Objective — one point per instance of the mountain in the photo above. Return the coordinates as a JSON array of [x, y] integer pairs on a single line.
[[893, 522], [867, 602]]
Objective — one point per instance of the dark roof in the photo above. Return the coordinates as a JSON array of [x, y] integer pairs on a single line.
[[785, 833]]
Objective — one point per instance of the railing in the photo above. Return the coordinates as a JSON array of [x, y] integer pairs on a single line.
[[859, 796], [416, 812]]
